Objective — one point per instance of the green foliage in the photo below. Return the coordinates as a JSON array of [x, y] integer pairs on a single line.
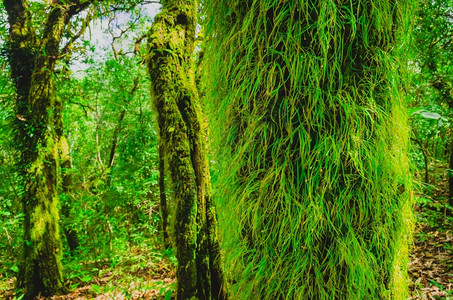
[[132, 269], [308, 103], [109, 219], [430, 132], [432, 86], [111, 200], [11, 217], [433, 212]]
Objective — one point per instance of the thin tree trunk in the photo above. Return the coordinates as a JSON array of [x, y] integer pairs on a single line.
[[450, 180], [175, 97], [424, 151], [70, 233], [115, 137], [116, 134]]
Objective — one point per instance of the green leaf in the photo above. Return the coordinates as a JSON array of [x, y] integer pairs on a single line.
[[15, 269], [96, 288], [168, 295], [86, 278], [430, 115], [435, 283]]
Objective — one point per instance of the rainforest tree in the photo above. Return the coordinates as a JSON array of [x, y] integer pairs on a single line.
[[181, 131], [309, 111], [32, 53]]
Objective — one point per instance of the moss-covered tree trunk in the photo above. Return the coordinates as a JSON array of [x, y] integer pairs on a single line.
[[70, 233], [163, 196], [32, 55], [308, 105], [40, 270], [171, 46], [66, 191]]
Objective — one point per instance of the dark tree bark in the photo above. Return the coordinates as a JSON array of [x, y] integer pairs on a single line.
[[114, 146], [424, 150], [175, 97]]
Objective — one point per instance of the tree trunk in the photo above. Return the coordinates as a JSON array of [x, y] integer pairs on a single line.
[[40, 270], [424, 150], [117, 132], [450, 180], [70, 233], [171, 46], [312, 134], [32, 61], [115, 137], [66, 197]]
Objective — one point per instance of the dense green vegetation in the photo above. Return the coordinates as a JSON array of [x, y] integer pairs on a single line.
[[226, 149], [315, 182]]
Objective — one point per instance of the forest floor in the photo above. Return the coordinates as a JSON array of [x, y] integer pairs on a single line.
[[151, 276], [431, 265], [431, 261], [138, 276], [144, 273]]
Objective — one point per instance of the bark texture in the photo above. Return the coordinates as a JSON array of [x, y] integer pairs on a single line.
[[32, 53], [171, 46], [70, 233], [40, 270], [163, 197]]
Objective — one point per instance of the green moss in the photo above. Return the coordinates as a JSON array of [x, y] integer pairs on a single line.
[[175, 97], [308, 104], [40, 270]]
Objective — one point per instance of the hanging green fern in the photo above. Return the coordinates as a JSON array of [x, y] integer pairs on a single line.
[[308, 99]]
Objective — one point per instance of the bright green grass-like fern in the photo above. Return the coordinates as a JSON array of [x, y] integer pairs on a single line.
[[308, 105]]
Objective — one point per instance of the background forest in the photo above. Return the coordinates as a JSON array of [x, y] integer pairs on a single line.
[[127, 169]]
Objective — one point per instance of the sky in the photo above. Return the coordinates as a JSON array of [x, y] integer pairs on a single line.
[[101, 38]]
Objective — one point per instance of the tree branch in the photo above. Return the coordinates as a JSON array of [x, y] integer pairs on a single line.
[[77, 35], [78, 6]]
